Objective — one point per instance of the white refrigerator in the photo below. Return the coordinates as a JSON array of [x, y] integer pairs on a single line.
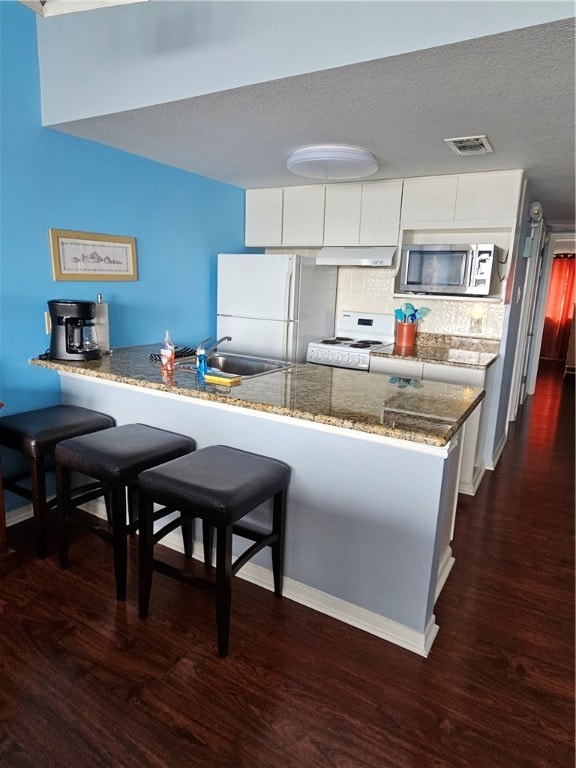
[[274, 304]]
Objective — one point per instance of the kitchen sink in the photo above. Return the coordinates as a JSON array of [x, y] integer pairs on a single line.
[[240, 365]]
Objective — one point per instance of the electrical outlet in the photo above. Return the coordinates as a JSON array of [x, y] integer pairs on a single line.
[[47, 322]]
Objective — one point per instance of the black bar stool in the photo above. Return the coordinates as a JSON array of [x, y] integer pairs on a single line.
[[35, 434], [115, 458], [219, 485]]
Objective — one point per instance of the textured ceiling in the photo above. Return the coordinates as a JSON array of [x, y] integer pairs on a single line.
[[517, 88]]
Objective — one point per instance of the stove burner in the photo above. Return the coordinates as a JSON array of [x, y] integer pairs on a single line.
[[336, 340], [365, 343]]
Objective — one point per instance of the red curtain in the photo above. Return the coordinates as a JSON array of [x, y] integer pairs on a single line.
[[559, 307]]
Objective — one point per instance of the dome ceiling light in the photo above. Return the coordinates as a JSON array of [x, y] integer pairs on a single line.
[[332, 161]]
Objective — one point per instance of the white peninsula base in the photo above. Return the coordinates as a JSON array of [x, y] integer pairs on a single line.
[[369, 519]]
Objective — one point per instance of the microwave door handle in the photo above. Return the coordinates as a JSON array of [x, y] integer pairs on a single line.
[[472, 267]]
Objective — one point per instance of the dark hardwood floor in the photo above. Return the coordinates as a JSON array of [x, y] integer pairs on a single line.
[[85, 684]]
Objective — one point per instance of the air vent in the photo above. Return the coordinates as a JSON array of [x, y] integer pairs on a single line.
[[469, 145]]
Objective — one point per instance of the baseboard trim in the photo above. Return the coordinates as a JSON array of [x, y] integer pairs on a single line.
[[446, 564], [469, 489], [361, 618], [498, 452], [374, 624]]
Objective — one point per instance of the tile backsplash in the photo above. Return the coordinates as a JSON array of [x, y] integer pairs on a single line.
[[371, 289]]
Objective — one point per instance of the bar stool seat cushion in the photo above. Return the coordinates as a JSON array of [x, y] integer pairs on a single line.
[[226, 483], [118, 456], [37, 432]]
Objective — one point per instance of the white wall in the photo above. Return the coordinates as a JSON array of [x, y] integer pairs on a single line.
[[120, 58]]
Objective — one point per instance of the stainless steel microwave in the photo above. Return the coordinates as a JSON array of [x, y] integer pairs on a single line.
[[448, 269]]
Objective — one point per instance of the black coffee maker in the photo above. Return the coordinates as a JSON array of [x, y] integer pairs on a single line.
[[73, 333]]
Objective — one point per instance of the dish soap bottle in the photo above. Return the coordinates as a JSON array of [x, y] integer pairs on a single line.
[[201, 363], [167, 353]]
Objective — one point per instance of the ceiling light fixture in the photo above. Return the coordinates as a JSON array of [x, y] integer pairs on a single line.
[[332, 161], [58, 7]]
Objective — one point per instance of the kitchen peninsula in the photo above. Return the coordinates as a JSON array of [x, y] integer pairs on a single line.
[[375, 473]]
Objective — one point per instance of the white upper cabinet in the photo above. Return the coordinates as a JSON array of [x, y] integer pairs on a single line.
[[431, 198], [488, 195], [380, 213], [470, 197], [303, 216], [369, 213], [264, 216], [342, 214], [363, 214]]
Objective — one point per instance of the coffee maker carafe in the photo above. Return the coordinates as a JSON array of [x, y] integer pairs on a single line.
[[73, 333]]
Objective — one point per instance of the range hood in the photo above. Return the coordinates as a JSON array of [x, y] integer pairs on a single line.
[[378, 256]]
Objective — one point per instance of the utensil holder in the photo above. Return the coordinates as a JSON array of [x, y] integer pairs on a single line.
[[405, 334]]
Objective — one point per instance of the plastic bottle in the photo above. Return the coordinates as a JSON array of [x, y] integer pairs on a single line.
[[201, 364], [167, 353], [101, 324]]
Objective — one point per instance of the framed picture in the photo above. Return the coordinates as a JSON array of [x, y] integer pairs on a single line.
[[89, 256]]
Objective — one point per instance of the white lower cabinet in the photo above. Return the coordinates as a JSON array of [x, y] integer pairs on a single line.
[[472, 466], [409, 369], [452, 374]]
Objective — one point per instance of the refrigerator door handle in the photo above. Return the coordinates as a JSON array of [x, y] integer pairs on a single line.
[[286, 342], [288, 292]]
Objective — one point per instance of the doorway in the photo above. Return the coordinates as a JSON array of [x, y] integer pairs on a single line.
[[559, 306], [564, 242]]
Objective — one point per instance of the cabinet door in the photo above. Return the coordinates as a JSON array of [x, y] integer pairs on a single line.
[[452, 374], [342, 214], [393, 366], [493, 195], [380, 214], [263, 217], [429, 199], [303, 216]]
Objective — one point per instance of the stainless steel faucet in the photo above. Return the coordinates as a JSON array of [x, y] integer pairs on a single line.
[[204, 341], [213, 347]]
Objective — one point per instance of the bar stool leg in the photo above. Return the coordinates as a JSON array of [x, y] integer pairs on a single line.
[[187, 524], [38, 478], [208, 543], [278, 523], [108, 505], [7, 556], [119, 541], [223, 587], [145, 556], [63, 486]]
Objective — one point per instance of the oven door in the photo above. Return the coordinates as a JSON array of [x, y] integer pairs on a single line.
[[441, 269]]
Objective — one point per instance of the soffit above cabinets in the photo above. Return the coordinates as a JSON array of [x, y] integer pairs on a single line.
[[59, 7]]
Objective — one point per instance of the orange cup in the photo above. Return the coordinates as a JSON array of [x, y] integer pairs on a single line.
[[405, 334]]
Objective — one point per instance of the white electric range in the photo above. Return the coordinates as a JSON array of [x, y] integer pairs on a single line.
[[356, 334]]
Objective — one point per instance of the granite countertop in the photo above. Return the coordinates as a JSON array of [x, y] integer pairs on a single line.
[[421, 412], [449, 350]]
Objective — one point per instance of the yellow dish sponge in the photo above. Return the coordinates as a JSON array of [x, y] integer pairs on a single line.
[[225, 381]]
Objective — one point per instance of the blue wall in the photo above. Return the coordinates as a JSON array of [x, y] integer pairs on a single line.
[[50, 180]]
